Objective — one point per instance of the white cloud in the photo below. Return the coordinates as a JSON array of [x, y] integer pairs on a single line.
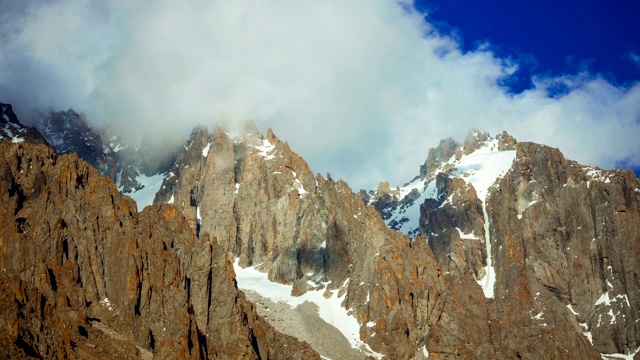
[[359, 89]]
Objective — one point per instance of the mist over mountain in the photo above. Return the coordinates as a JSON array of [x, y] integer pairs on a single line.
[[306, 180], [361, 90], [505, 249]]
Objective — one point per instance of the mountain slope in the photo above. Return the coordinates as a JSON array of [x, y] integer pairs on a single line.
[[557, 238], [12, 130], [513, 252], [137, 168], [261, 202], [85, 276]]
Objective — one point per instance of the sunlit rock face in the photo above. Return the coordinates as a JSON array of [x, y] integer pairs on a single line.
[[509, 251], [573, 231], [563, 243], [264, 206], [84, 275]]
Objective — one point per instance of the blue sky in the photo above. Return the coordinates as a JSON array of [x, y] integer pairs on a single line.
[[360, 89], [548, 38]]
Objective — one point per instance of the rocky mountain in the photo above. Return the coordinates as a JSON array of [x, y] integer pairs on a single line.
[[135, 166], [558, 238], [505, 250], [84, 275], [262, 203], [13, 131]]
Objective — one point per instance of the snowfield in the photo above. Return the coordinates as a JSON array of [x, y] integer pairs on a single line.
[[144, 197], [481, 169], [330, 310]]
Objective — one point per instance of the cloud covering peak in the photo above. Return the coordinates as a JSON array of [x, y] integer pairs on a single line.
[[360, 89]]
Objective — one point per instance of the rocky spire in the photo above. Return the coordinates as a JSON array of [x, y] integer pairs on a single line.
[[85, 276]]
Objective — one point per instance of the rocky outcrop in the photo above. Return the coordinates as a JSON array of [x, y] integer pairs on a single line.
[[122, 159], [11, 130], [85, 276], [400, 207], [453, 224], [573, 233], [69, 132], [564, 250], [437, 156], [261, 202]]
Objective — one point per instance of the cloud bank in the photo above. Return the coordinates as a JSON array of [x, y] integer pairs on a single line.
[[359, 89]]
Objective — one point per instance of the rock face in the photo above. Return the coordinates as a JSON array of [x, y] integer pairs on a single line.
[[573, 232], [563, 242], [122, 159], [261, 202], [69, 132], [13, 131], [85, 276], [510, 251]]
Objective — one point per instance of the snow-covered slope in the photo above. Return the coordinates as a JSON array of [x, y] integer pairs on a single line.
[[480, 162], [330, 307], [148, 187], [480, 166]]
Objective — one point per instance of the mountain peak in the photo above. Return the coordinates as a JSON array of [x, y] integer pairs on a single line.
[[474, 140], [12, 130], [479, 160]]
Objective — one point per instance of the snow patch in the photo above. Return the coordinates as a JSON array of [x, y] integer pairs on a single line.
[[597, 175], [205, 151], [539, 316], [465, 236], [482, 167], [144, 197], [488, 281], [629, 356], [330, 310], [107, 303], [297, 185], [265, 148], [606, 300]]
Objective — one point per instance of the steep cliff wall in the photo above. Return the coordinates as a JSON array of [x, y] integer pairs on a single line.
[[85, 276]]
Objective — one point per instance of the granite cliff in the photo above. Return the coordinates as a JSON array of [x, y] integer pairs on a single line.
[[443, 291], [496, 249], [84, 275]]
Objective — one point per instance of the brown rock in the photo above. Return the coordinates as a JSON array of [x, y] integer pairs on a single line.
[[86, 276], [574, 231], [445, 150]]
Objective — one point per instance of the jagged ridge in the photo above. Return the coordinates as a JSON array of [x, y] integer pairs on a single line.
[[86, 276]]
